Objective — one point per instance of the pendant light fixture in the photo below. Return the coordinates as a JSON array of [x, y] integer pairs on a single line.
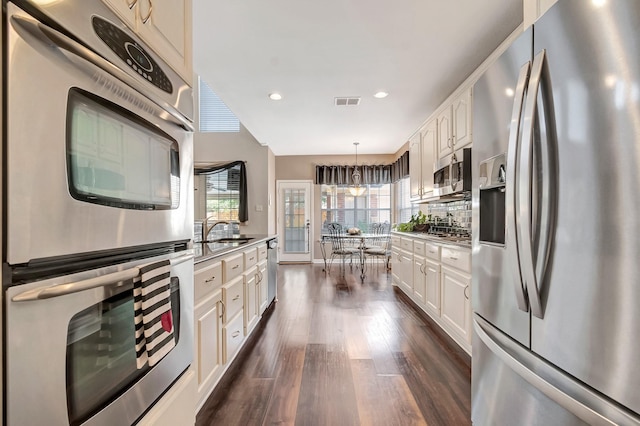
[[356, 189]]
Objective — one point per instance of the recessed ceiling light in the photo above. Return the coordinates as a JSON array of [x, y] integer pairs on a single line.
[[381, 95], [275, 96]]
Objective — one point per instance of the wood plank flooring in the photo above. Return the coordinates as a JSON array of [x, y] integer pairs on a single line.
[[336, 351]]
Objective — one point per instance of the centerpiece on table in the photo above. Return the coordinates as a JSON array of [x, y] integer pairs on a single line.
[[354, 231]]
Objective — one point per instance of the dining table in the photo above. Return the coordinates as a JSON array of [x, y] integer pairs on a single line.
[[358, 241]]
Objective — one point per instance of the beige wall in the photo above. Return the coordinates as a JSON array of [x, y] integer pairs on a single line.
[[303, 167], [223, 147]]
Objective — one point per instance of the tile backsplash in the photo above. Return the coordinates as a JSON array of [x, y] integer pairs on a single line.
[[454, 217]]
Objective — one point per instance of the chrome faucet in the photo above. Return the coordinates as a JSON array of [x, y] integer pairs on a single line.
[[206, 228]]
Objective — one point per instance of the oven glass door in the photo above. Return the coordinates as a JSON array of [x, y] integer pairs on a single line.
[[101, 353], [116, 158]]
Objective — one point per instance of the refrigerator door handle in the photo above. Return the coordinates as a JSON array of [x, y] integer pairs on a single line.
[[525, 193], [574, 396], [512, 237]]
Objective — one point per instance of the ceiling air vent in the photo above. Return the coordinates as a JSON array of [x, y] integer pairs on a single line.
[[350, 101]]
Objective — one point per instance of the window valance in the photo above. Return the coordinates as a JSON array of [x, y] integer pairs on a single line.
[[236, 180], [371, 175]]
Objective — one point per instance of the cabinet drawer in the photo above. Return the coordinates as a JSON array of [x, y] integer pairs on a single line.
[[432, 251], [232, 267], [457, 258], [233, 298], [232, 337], [207, 279], [250, 258], [395, 241], [406, 244], [262, 252], [418, 248]]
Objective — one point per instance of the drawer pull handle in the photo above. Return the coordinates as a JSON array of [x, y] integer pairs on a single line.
[[235, 334], [210, 279], [251, 258], [453, 258], [236, 298], [465, 292], [224, 308], [236, 267]]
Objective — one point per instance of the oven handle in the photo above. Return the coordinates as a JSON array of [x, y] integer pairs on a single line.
[[48, 35], [75, 287]]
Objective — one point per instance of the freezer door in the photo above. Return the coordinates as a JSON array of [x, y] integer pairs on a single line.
[[512, 386], [590, 319], [496, 280]]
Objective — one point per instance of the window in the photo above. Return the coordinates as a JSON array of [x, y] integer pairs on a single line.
[[338, 205], [403, 207], [223, 194], [215, 116]]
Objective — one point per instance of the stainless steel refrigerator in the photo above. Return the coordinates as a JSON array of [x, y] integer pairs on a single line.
[[556, 222]]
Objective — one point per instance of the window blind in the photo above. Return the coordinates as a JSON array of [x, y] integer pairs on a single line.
[[215, 116]]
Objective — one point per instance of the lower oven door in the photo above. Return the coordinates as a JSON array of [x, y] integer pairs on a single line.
[[71, 353], [93, 163]]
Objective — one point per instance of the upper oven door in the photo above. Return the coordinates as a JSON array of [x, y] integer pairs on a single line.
[[92, 164]]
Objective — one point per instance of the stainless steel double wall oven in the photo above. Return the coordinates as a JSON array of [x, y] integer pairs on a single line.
[[98, 183]]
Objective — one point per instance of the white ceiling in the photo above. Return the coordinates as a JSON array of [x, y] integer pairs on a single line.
[[417, 50]]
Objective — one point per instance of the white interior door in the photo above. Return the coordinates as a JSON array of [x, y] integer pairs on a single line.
[[295, 204]]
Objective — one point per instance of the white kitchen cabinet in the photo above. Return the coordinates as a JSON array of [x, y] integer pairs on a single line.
[[461, 122], [444, 146], [432, 292], [419, 280], [454, 124], [166, 26], [437, 277], [251, 304], [208, 340], [456, 303], [415, 166], [263, 287], [421, 158]]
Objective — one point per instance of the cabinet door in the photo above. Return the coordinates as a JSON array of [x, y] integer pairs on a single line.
[[166, 27], [429, 140], [432, 302], [396, 267], [415, 167], [406, 273], [250, 300], [461, 114], [125, 9], [208, 339], [444, 146], [419, 280], [456, 302], [263, 287]]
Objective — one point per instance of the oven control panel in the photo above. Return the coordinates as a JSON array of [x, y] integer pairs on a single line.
[[131, 53]]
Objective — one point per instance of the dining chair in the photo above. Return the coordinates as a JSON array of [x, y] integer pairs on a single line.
[[339, 248], [379, 246]]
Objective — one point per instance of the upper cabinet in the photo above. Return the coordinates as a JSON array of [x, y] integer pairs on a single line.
[[164, 25], [454, 125], [421, 149]]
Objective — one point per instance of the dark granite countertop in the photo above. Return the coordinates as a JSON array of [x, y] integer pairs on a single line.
[[207, 251], [454, 241]]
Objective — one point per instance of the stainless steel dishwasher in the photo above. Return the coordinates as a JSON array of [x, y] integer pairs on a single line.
[[272, 270]]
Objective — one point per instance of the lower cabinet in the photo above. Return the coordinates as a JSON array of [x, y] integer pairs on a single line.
[[432, 275], [231, 293], [251, 304], [437, 277], [456, 304], [208, 339]]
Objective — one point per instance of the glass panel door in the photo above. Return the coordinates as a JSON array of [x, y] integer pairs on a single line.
[[294, 220]]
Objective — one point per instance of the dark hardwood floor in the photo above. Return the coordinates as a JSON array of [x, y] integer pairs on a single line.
[[341, 352]]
